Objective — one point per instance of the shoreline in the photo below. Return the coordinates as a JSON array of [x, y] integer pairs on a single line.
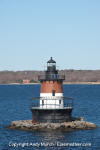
[[87, 83]]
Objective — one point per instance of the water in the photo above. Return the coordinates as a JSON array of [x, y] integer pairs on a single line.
[[14, 105]]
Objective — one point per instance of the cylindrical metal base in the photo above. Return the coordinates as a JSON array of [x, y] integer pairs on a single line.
[[51, 115]]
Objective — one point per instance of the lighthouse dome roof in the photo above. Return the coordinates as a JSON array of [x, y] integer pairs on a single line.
[[51, 61]]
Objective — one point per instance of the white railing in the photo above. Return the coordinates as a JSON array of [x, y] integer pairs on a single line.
[[67, 104]]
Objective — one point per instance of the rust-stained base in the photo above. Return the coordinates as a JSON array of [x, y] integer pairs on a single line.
[[51, 115]]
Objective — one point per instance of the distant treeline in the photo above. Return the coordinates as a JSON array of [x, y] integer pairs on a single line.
[[70, 76]]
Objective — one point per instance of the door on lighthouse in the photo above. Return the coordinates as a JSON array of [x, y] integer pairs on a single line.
[[53, 92]]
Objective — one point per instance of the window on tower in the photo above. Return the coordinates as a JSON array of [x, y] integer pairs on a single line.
[[53, 92], [42, 102], [53, 76], [59, 101]]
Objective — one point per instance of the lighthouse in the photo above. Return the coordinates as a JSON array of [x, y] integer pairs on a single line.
[[52, 105]]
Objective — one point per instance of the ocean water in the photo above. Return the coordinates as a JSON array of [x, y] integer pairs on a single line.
[[14, 105]]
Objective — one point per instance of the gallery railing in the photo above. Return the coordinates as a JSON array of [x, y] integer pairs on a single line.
[[67, 103], [51, 77]]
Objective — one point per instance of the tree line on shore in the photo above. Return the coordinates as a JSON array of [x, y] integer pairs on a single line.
[[71, 75]]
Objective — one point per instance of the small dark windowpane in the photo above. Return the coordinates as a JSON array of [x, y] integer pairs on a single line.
[[59, 101], [53, 93], [42, 102]]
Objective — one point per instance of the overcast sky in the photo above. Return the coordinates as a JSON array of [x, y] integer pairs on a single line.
[[31, 31]]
